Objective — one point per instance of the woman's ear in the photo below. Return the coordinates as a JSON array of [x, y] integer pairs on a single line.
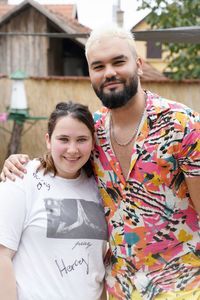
[[48, 141]]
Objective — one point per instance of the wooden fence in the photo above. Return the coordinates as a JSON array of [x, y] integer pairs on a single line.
[[44, 93]]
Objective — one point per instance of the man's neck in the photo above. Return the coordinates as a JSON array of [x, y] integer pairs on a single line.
[[131, 112]]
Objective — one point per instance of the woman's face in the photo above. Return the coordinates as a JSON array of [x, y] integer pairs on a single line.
[[70, 145]]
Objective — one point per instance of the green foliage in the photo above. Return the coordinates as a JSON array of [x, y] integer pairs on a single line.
[[183, 61]]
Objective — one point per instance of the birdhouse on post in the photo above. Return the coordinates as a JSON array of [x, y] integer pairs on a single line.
[[18, 109]]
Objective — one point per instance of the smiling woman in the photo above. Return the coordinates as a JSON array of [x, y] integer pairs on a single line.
[[70, 144], [59, 230], [70, 140]]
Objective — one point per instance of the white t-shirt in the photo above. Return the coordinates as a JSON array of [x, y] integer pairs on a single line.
[[58, 229]]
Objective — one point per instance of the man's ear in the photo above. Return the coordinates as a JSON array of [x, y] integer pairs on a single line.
[[139, 63]]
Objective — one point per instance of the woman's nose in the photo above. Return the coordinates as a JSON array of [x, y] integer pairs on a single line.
[[72, 148]]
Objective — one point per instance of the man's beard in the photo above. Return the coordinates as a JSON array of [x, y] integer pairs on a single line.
[[118, 99]]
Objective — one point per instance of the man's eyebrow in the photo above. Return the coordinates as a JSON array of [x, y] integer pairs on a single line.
[[120, 57], [97, 62]]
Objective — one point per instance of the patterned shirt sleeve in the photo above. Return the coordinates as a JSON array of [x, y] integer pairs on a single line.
[[189, 155]]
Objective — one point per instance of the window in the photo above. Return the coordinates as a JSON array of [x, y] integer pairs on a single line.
[[154, 49]]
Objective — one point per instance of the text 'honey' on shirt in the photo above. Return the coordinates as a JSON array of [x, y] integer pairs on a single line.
[[58, 229]]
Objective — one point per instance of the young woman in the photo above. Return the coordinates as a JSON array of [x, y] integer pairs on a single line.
[[52, 228]]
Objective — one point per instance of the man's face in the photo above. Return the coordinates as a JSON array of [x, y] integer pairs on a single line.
[[113, 71]]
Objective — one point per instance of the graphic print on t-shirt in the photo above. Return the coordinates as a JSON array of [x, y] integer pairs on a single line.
[[75, 219]]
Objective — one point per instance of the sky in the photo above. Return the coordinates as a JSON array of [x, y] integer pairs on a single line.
[[94, 13]]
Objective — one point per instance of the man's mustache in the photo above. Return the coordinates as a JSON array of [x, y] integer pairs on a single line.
[[111, 80]]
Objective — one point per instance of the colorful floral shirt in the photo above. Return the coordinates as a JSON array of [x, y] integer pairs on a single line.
[[153, 227]]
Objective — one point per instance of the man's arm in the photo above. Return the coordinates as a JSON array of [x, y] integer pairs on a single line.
[[193, 184], [7, 276], [14, 166]]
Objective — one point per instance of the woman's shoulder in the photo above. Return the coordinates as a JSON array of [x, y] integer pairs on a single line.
[[32, 165], [31, 168], [21, 183]]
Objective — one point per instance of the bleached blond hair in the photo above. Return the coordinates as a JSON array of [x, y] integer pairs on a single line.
[[110, 31]]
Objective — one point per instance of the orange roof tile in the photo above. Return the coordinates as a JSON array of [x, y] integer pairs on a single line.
[[67, 10], [150, 73], [4, 8], [73, 23], [66, 13]]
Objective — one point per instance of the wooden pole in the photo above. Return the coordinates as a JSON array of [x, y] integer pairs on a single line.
[[14, 145]]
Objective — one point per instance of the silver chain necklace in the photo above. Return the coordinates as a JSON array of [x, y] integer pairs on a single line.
[[111, 128]]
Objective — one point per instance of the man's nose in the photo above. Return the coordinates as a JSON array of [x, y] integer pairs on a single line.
[[109, 72]]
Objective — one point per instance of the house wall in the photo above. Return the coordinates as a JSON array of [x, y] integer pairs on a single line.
[[141, 46], [26, 53], [44, 94]]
